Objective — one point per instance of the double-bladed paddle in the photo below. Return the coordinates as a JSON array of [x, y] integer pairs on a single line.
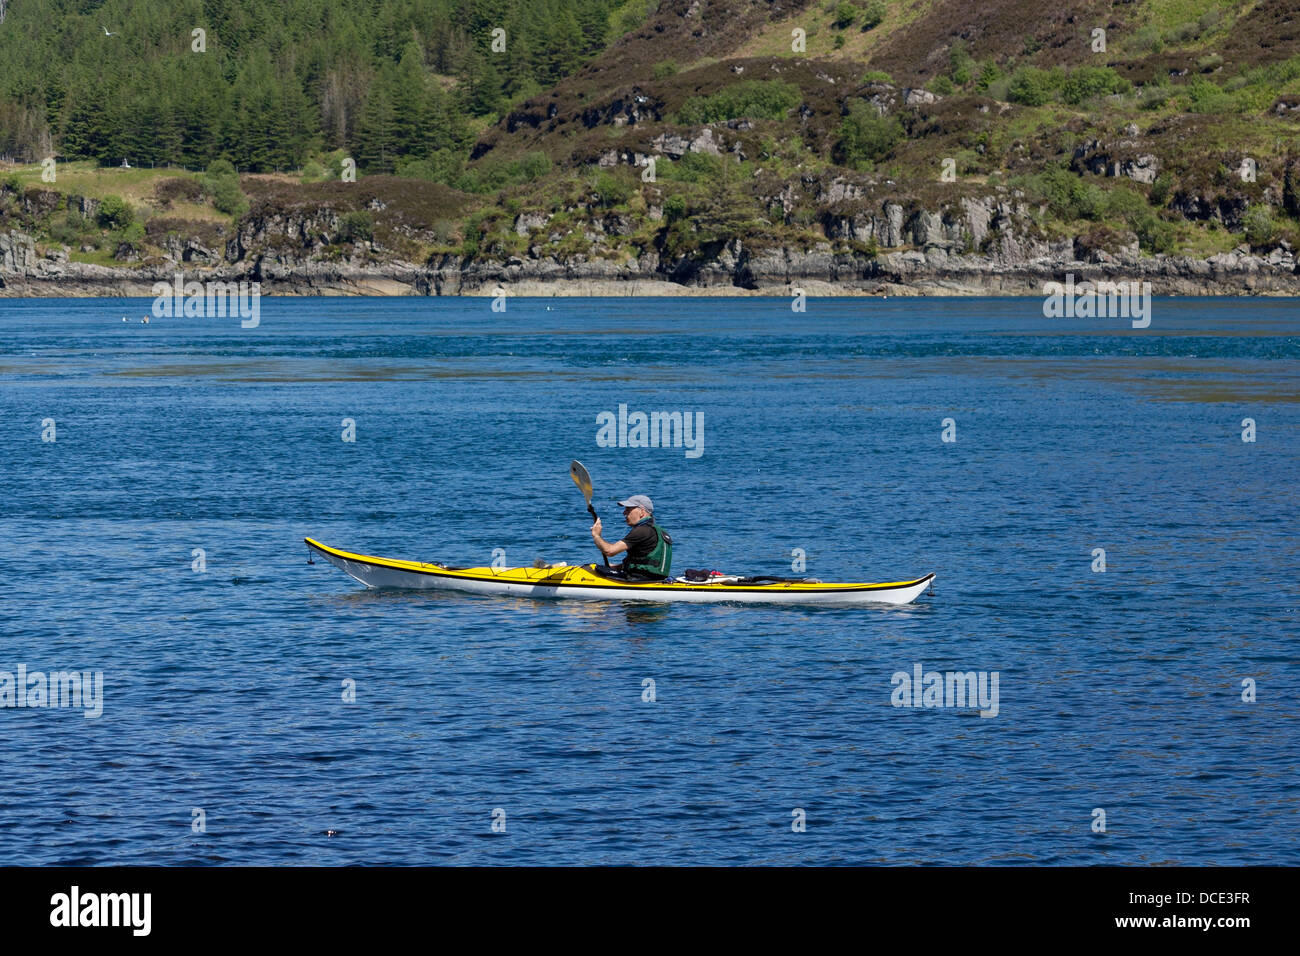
[[581, 478]]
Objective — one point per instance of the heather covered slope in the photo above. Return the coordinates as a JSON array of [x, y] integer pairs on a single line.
[[913, 143]]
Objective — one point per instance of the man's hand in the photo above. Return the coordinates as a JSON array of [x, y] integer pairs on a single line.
[[607, 549]]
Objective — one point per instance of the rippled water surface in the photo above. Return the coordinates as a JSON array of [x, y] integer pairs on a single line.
[[223, 689]]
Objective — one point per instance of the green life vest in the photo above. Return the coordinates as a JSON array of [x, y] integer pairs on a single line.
[[658, 561]]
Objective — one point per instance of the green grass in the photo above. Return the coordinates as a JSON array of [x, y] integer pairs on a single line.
[[629, 16], [86, 179], [774, 39], [1168, 14], [100, 257]]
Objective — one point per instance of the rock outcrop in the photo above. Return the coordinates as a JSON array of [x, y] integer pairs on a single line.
[[1124, 158], [972, 244], [17, 255]]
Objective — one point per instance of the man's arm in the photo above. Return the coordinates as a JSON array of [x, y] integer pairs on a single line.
[[607, 549]]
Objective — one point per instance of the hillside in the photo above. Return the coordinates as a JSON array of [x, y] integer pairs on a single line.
[[925, 144]]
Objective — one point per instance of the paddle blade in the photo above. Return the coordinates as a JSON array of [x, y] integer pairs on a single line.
[[581, 478]]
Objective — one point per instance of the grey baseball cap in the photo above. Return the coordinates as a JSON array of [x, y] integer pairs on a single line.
[[639, 501]]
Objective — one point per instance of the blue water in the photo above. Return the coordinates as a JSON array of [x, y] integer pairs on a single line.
[[223, 689]]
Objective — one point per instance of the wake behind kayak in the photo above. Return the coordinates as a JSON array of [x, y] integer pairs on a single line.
[[589, 583]]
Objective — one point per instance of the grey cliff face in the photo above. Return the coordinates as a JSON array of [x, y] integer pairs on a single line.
[[972, 245]]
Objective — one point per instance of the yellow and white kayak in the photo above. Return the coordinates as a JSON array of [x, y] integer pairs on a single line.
[[590, 582]]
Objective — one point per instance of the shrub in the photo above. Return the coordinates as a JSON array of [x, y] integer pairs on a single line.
[[535, 165], [1088, 81], [876, 76], [1160, 189], [613, 190], [444, 232], [753, 99], [1208, 98], [473, 231], [1259, 224], [634, 15], [961, 65], [218, 170], [873, 14], [989, 74], [441, 166], [674, 208], [845, 14], [491, 176], [1154, 97], [228, 198], [1053, 186], [1088, 201], [1126, 204], [221, 182], [357, 226], [941, 85], [313, 172], [67, 231], [1209, 20], [1154, 235], [1149, 39], [1069, 197], [865, 136], [1034, 87], [115, 213], [1182, 33]]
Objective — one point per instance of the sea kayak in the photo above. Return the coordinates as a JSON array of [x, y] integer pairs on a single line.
[[590, 582]]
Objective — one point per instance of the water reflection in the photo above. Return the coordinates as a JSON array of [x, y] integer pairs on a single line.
[[641, 613], [600, 615]]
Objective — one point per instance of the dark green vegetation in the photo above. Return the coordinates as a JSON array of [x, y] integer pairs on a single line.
[[278, 80], [866, 136], [753, 99], [540, 149]]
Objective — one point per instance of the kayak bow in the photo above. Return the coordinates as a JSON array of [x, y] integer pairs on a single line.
[[582, 582]]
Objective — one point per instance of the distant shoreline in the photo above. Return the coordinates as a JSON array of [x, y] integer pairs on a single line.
[[380, 287], [412, 281], [732, 272]]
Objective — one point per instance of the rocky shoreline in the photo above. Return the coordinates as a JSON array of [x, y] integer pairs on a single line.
[[733, 271], [978, 245]]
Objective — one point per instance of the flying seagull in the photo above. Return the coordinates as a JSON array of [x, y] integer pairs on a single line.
[[106, 33]]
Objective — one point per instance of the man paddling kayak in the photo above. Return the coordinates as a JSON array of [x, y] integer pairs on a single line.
[[649, 548]]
